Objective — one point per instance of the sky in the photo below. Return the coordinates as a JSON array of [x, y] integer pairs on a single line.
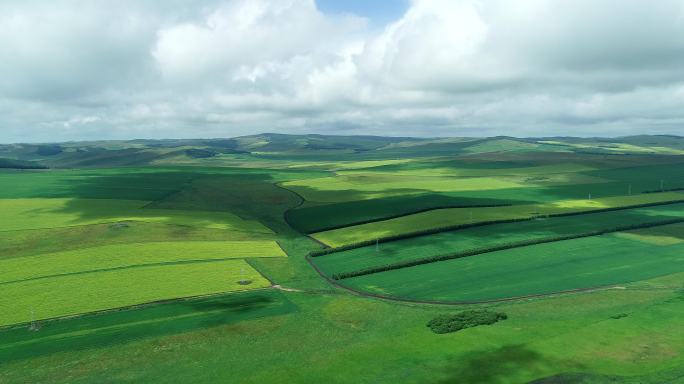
[[124, 69]]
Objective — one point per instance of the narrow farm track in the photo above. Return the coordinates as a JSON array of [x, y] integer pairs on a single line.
[[300, 202]]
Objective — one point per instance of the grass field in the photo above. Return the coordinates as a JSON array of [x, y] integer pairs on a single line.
[[130, 255], [323, 217], [23, 214], [545, 268], [369, 340], [455, 216], [359, 186], [87, 292], [51, 240], [479, 237]]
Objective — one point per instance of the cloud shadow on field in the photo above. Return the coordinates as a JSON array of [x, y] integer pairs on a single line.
[[497, 366], [250, 194], [113, 328]]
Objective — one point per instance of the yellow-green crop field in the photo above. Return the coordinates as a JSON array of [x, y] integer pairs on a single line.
[[130, 255], [80, 293]]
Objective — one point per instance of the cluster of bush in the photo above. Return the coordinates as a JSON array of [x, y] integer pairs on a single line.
[[455, 227], [467, 319], [499, 247]]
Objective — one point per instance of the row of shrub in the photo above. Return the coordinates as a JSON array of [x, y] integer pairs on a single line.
[[664, 190], [500, 247], [466, 319], [20, 164], [449, 228]]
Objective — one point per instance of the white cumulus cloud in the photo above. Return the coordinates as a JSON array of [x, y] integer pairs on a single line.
[[215, 68]]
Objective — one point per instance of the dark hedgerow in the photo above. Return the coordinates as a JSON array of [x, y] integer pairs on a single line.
[[432, 231], [499, 247], [467, 319]]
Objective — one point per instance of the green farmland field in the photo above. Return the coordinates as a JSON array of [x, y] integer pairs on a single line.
[[173, 261], [22, 214], [130, 255], [360, 186], [321, 217], [479, 237], [60, 239], [455, 216], [87, 292], [545, 268]]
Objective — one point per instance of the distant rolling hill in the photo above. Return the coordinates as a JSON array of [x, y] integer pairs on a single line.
[[312, 147]]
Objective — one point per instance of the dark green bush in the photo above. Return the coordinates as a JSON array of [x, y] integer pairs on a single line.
[[664, 190], [466, 319]]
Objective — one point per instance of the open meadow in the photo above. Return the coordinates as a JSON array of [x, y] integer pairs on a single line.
[[281, 259]]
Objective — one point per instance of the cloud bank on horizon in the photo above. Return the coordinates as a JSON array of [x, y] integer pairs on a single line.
[[76, 70]]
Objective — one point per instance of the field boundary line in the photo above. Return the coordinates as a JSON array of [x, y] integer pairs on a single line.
[[251, 264], [502, 247], [449, 228]]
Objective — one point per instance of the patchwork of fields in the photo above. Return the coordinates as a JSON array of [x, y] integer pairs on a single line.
[[474, 238], [462, 216], [540, 269], [242, 253], [67, 251]]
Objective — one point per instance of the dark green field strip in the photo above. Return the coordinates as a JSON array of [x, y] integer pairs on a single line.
[[468, 239], [339, 215], [431, 231], [501, 247], [561, 266], [118, 326], [124, 183]]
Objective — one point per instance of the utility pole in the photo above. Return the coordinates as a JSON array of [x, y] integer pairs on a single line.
[[629, 190], [589, 195], [33, 326]]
